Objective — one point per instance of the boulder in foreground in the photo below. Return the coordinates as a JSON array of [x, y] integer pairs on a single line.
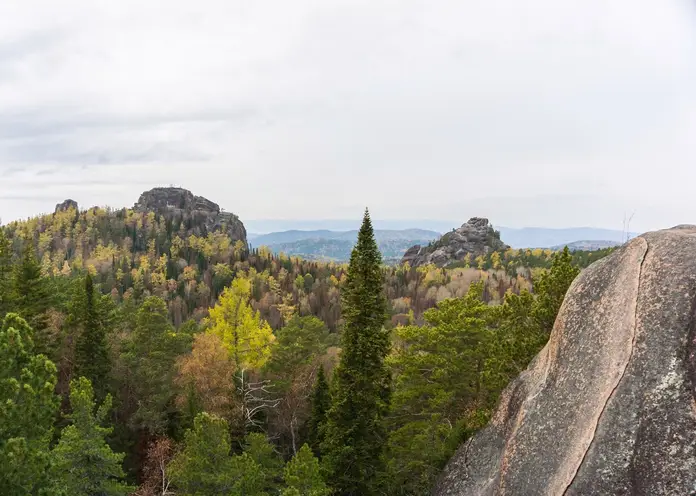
[[607, 407]]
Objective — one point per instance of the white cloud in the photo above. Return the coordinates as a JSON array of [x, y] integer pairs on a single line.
[[419, 109]]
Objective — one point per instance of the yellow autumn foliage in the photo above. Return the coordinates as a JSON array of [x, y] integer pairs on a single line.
[[247, 337]]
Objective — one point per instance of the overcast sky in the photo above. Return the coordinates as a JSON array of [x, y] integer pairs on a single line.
[[536, 113]]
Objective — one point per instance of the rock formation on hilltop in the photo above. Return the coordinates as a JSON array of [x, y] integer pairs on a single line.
[[607, 407], [199, 215], [476, 237], [66, 205]]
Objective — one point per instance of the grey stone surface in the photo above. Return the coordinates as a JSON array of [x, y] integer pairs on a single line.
[[199, 215], [607, 407], [66, 205], [475, 237]]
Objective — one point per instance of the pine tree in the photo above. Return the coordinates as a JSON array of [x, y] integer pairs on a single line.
[[552, 287], [355, 432], [5, 274], [28, 406], [303, 475], [321, 402], [205, 467], [151, 355], [264, 454], [440, 371], [84, 464], [31, 296], [92, 315]]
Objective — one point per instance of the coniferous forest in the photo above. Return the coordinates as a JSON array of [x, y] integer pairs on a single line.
[[137, 357]]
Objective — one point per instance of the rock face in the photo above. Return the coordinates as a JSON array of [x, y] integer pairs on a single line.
[[66, 205], [607, 407], [199, 215], [476, 237]]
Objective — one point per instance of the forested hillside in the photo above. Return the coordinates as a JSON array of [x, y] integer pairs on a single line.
[[150, 353]]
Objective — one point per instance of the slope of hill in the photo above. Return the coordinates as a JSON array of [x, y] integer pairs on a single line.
[[184, 250]]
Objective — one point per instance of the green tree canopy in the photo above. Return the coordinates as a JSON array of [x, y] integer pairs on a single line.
[[151, 354], [438, 375], [551, 288], [28, 407], [320, 402], [91, 315], [245, 335], [83, 462], [303, 475], [205, 467], [355, 431]]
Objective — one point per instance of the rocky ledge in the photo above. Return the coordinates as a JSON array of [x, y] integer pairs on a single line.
[[474, 238], [608, 406], [199, 214], [67, 205]]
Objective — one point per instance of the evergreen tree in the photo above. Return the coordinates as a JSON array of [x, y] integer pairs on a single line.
[[551, 288], [28, 406], [31, 297], [5, 274], [151, 355], [440, 372], [92, 314], [355, 432], [84, 464], [320, 403], [303, 475], [205, 467], [263, 453]]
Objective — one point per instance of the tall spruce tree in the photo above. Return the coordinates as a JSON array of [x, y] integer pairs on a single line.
[[320, 402], [355, 433], [91, 313], [5, 274], [151, 355], [31, 297]]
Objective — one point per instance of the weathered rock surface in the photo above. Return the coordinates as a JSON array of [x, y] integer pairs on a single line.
[[607, 407], [199, 215], [476, 237], [66, 205]]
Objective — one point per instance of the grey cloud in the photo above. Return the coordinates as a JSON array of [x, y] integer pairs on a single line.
[[418, 109]]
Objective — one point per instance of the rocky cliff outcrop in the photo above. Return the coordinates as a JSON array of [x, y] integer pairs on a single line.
[[198, 215], [66, 205], [607, 407], [476, 237]]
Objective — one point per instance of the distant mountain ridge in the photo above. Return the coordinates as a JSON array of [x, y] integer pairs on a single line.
[[540, 237], [380, 235], [337, 245], [588, 245], [526, 237]]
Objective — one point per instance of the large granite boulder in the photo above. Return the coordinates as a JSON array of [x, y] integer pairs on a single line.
[[67, 205], [607, 407], [475, 237], [199, 215]]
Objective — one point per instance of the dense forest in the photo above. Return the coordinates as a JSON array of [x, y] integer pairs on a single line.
[[138, 356]]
